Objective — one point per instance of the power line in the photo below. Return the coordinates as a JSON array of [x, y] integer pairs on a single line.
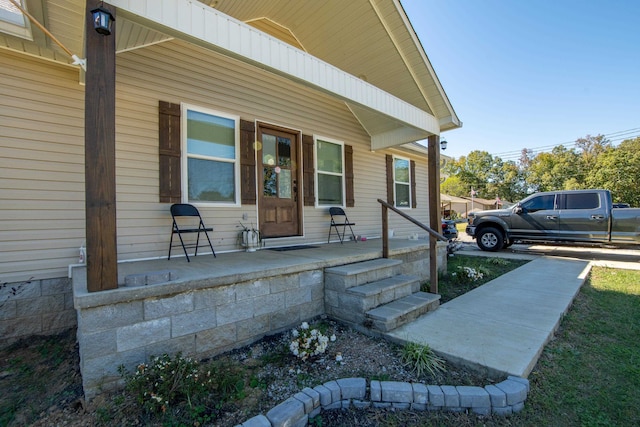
[[611, 137], [518, 155]]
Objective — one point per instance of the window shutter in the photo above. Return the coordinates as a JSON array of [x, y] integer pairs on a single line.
[[169, 152], [247, 162], [348, 173], [412, 166], [389, 161], [309, 172]]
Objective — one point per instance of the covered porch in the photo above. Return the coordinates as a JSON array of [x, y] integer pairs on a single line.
[[210, 271]]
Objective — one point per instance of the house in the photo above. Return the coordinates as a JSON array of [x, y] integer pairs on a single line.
[[454, 207], [480, 204], [265, 113]]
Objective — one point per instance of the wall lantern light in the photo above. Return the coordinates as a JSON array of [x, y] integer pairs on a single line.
[[102, 20], [443, 145]]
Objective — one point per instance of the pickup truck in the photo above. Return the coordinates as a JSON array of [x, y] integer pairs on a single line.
[[557, 216]]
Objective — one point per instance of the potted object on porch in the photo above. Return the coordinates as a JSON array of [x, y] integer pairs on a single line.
[[249, 238]]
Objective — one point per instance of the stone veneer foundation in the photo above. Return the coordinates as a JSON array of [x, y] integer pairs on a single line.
[[199, 318], [35, 307]]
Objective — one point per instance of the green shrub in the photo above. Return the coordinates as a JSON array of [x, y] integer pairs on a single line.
[[421, 359], [229, 380], [166, 383]]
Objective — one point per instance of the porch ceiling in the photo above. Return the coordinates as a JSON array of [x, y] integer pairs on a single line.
[[366, 55]]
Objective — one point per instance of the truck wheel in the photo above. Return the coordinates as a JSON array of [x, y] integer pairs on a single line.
[[490, 239]]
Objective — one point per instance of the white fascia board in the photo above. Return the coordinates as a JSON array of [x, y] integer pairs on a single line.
[[396, 137], [209, 28]]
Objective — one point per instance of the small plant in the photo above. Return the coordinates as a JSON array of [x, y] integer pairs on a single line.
[[467, 274], [316, 421], [277, 357], [257, 382], [166, 382], [498, 261], [421, 359], [308, 342], [381, 377], [229, 380]]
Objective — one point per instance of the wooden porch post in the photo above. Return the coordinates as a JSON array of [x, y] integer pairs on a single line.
[[433, 151], [100, 155], [385, 232]]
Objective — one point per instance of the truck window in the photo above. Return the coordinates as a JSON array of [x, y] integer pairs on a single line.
[[539, 203], [582, 201]]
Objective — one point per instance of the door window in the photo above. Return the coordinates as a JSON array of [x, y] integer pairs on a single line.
[[582, 201], [276, 164], [539, 203]]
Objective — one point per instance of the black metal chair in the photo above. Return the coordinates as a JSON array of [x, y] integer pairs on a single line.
[[185, 226], [339, 219]]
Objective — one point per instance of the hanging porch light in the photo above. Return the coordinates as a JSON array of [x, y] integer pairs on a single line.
[[102, 20]]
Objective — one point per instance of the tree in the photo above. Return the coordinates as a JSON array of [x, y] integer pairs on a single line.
[[507, 181], [473, 171], [590, 148], [618, 170], [593, 163], [454, 186], [550, 171]]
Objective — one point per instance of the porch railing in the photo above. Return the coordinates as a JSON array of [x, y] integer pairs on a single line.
[[433, 237]]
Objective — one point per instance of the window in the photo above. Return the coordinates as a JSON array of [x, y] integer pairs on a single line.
[[546, 202], [12, 21], [330, 172], [402, 182], [210, 161], [582, 201]]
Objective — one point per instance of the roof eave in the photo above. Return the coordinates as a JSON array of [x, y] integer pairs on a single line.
[[211, 29]]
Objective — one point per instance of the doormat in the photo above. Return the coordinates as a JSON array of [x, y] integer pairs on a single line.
[[292, 248]]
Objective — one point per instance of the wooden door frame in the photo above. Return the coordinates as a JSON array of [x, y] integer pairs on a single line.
[[260, 126]]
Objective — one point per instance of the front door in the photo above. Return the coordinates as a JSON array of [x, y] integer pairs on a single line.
[[278, 204]]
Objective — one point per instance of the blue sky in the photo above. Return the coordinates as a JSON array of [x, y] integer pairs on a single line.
[[533, 74]]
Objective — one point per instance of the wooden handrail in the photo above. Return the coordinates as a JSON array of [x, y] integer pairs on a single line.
[[433, 235], [385, 225]]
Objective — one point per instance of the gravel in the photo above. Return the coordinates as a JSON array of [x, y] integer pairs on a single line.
[[276, 375]]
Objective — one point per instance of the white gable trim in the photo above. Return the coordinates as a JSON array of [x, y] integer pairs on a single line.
[[207, 27]]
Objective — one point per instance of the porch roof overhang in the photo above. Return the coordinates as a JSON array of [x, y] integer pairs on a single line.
[[388, 120]]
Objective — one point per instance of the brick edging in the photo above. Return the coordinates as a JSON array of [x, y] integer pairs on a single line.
[[502, 399]]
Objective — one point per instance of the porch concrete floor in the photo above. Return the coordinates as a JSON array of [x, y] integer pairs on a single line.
[[204, 270]]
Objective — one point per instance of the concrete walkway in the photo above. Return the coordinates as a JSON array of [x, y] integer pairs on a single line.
[[502, 326]]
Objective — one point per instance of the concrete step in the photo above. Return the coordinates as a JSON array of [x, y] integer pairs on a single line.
[[347, 276], [374, 294], [396, 313]]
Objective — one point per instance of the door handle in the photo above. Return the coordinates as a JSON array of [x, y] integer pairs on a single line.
[[552, 217], [597, 217]]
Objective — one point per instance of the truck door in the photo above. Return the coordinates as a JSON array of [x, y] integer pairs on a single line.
[[538, 219], [583, 217]]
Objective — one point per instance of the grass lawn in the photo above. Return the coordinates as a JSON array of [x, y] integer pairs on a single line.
[[457, 281], [590, 374]]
